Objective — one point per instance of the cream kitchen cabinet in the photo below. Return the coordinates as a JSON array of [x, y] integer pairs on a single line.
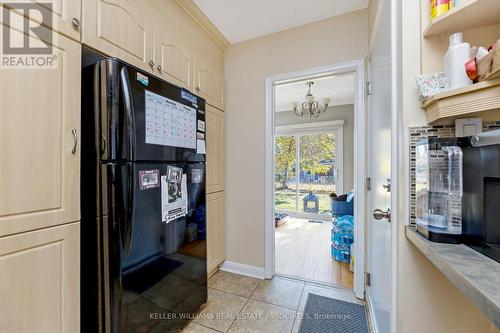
[[40, 280], [209, 80], [174, 58], [215, 230], [120, 28], [215, 149], [39, 142], [141, 34], [64, 15]]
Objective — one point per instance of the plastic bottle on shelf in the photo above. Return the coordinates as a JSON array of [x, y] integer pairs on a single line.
[[454, 62]]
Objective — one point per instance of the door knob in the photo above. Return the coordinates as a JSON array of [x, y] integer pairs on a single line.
[[151, 63], [379, 214]]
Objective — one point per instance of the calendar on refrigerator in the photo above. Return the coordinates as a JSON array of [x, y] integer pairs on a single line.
[[169, 123]]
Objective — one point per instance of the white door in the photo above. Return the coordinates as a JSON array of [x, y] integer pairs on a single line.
[[379, 170]]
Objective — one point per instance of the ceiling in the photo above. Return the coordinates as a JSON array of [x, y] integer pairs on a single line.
[[339, 87], [240, 20]]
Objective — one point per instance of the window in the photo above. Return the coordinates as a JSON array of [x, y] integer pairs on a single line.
[[306, 168]]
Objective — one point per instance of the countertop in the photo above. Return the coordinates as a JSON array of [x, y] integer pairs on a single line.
[[475, 275]]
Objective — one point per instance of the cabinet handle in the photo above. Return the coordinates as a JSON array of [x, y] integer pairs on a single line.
[[76, 22], [75, 137], [159, 68], [151, 63], [198, 89]]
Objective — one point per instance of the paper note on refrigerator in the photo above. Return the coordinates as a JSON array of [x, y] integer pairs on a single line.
[[200, 147], [173, 194]]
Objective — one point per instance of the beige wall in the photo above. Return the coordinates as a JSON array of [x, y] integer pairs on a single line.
[[326, 42], [372, 12], [427, 301], [338, 112]]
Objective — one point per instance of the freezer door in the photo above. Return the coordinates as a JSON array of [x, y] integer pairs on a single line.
[[147, 119], [154, 266]]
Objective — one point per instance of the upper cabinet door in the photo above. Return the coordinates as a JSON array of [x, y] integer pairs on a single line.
[[39, 147], [174, 58], [120, 28], [62, 16], [215, 149], [210, 80]]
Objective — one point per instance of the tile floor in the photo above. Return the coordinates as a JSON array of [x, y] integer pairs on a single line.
[[242, 304]]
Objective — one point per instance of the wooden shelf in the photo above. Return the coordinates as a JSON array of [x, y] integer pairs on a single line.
[[481, 100], [471, 14]]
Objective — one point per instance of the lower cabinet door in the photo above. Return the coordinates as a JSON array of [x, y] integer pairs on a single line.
[[40, 280], [215, 230]]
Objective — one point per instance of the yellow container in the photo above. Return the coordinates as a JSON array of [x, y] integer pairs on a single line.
[[439, 7]]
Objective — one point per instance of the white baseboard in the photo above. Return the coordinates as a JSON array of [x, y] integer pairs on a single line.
[[242, 269]]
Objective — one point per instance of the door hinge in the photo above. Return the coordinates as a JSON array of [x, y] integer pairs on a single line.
[[369, 88], [368, 277], [368, 183]]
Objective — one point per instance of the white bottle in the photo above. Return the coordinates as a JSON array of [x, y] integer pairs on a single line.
[[454, 62]]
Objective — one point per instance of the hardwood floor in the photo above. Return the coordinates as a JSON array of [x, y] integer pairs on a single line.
[[303, 250]]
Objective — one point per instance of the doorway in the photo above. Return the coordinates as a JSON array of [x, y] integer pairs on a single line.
[[304, 168], [308, 169]]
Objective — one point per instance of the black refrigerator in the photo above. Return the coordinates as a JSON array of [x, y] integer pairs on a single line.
[[143, 236]]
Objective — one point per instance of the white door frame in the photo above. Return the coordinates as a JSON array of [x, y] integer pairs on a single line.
[[358, 67]]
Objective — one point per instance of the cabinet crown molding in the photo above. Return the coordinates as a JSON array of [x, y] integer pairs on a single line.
[[202, 20]]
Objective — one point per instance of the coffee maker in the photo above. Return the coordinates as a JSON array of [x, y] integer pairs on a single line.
[[481, 194], [438, 175]]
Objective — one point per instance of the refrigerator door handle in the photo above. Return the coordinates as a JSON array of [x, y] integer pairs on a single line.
[[130, 209], [129, 109]]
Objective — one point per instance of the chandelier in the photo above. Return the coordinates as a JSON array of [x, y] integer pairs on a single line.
[[310, 108]]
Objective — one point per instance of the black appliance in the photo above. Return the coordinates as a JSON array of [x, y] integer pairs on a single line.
[[481, 198], [143, 230]]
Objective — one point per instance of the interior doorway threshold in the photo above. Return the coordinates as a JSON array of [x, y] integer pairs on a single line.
[[319, 283]]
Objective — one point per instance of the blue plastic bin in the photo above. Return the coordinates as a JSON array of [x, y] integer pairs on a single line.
[[340, 208]]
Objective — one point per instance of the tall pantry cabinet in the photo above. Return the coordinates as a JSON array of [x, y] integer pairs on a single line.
[[40, 188], [215, 188], [40, 144]]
